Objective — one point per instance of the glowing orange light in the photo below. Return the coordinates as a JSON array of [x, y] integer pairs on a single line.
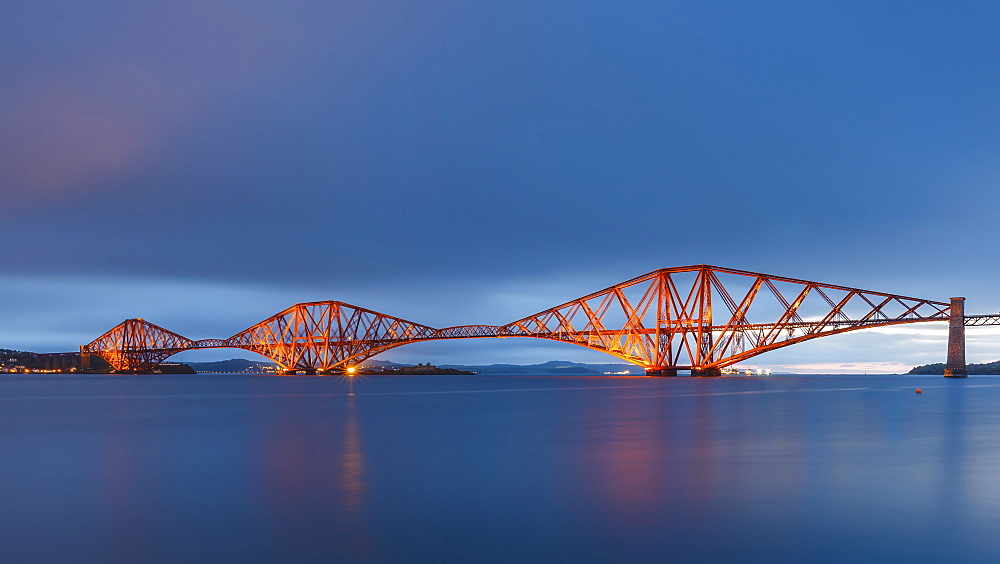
[[351, 370]]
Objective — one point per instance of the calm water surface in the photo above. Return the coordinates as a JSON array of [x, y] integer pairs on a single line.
[[233, 468]]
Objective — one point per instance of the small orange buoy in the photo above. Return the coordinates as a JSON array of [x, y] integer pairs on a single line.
[[919, 391]]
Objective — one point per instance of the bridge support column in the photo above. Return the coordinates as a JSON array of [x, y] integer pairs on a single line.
[[84, 358], [955, 367], [710, 372], [663, 372]]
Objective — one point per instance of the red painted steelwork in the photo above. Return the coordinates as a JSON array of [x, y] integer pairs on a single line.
[[699, 317]]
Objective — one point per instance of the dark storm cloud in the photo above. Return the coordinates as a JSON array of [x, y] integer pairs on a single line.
[[401, 153]]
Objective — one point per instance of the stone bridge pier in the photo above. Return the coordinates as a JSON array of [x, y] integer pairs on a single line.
[[955, 366]]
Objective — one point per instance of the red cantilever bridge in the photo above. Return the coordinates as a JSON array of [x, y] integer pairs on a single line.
[[700, 318]]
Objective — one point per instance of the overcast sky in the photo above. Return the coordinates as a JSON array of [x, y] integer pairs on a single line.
[[204, 164]]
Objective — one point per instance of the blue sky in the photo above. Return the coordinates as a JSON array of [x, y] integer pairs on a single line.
[[205, 164]]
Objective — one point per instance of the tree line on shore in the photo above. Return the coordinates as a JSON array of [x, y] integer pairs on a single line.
[[974, 369]]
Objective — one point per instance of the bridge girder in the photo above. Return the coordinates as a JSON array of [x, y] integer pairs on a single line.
[[695, 317]]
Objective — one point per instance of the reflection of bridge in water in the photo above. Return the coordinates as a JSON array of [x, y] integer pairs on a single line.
[[699, 318]]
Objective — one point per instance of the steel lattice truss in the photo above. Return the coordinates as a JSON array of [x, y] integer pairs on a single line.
[[138, 345], [982, 320], [701, 317], [695, 317], [324, 335]]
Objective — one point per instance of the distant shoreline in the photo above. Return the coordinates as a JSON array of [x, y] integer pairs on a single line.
[[984, 369]]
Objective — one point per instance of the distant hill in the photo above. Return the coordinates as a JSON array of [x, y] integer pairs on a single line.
[[553, 367], [9, 357], [233, 365], [975, 369], [425, 369]]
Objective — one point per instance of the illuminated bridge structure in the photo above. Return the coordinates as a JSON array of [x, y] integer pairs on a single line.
[[699, 318]]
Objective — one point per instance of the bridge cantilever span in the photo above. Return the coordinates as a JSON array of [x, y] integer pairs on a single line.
[[700, 317]]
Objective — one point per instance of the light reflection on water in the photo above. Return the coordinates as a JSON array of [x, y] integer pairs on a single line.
[[447, 468]]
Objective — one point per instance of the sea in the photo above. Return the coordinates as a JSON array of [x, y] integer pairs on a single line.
[[244, 468]]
